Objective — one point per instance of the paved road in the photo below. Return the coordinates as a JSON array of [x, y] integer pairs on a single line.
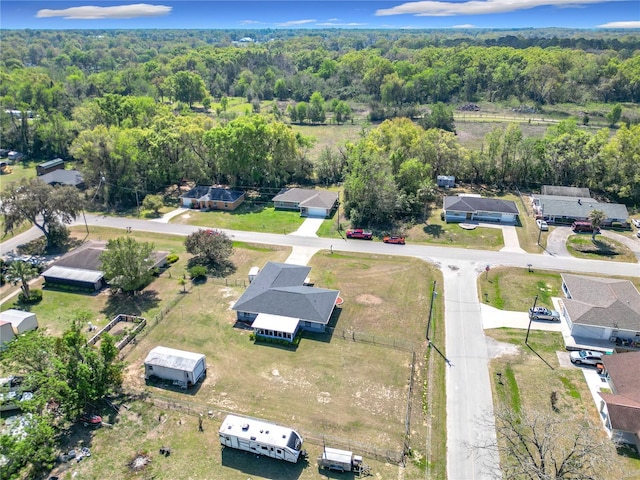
[[469, 403]]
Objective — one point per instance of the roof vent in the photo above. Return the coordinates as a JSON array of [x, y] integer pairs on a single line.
[[245, 426]]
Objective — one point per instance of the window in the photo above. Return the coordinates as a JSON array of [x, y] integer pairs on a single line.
[[226, 205], [150, 367]]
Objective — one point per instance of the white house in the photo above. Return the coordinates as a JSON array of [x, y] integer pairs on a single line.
[[20, 321], [183, 368], [470, 208], [602, 308], [310, 203]]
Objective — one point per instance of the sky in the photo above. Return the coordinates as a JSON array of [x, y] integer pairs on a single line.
[[312, 14]]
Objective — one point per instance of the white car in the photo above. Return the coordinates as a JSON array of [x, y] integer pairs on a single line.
[[636, 222], [542, 225], [586, 357]]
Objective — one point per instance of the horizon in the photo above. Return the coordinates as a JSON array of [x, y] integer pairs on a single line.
[[253, 15]]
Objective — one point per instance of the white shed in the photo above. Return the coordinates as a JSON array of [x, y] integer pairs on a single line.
[[183, 368], [6, 334], [20, 321]]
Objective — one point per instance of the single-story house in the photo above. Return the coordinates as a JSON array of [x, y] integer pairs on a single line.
[[6, 333], [601, 308], [562, 209], [446, 181], [561, 191], [214, 198], [81, 268], [50, 166], [181, 367], [20, 321], [463, 208], [621, 407], [310, 203], [72, 178], [278, 302]]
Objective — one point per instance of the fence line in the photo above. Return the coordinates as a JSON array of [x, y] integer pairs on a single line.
[[314, 438], [371, 339], [119, 318]]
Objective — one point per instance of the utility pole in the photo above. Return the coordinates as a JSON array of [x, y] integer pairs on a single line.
[[535, 300], [433, 298], [539, 229]]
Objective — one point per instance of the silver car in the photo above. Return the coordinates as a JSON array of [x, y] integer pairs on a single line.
[[586, 357]]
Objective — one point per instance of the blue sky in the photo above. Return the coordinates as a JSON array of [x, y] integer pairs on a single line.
[[258, 14]]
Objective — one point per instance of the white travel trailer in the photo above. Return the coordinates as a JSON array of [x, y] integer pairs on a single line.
[[261, 437]]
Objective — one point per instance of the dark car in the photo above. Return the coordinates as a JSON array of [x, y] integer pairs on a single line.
[[393, 239], [90, 420]]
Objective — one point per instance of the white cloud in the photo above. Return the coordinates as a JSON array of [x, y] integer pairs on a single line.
[[250, 22], [436, 8], [620, 25], [338, 24], [464, 25], [293, 23], [90, 12]]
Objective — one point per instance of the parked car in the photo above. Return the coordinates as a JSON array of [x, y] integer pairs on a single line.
[[586, 357], [636, 222], [579, 227], [638, 234], [542, 313], [393, 239], [90, 420], [359, 233], [542, 225]]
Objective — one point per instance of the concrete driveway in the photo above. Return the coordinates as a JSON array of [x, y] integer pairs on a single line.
[[309, 227], [557, 242], [632, 244]]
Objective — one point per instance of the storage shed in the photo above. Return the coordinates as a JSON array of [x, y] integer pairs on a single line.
[[183, 368], [20, 321], [446, 181], [6, 333]]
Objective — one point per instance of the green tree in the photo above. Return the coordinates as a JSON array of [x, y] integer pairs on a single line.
[[127, 264], [48, 208], [316, 111], [189, 87], [21, 272], [280, 89], [153, 203], [596, 217], [441, 116], [210, 249], [614, 115]]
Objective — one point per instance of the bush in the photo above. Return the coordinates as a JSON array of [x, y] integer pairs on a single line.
[[35, 296], [197, 271], [172, 258]]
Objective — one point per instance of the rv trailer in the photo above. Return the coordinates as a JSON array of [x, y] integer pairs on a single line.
[[342, 461], [261, 437]]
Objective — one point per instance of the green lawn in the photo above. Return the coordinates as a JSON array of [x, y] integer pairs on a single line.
[[255, 218], [583, 246]]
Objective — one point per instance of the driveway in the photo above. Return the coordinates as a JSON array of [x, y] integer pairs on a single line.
[[557, 242], [632, 244], [309, 227]]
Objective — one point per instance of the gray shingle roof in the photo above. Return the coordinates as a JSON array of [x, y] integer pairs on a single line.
[[476, 204], [278, 290], [569, 207], [308, 197], [63, 177], [205, 193], [605, 302], [623, 405], [565, 191]]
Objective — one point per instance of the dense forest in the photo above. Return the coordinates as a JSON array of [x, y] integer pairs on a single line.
[[144, 110]]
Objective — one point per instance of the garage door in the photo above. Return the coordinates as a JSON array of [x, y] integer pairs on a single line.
[[316, 212]]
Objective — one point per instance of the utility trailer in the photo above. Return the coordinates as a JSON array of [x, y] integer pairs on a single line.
[[342, 461], [261, 437]]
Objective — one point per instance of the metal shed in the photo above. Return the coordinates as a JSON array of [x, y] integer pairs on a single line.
[[20, 321], [183, 368], [6, 333]]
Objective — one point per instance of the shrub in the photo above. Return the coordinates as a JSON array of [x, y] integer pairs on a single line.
[[172, 258], [197, 271], [35, 296]]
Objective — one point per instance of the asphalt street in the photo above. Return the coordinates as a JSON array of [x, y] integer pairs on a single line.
[[469, 402]]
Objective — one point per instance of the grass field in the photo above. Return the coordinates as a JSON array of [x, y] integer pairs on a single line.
[[530, 376], [582, 246], [354, 392], [255, 218]]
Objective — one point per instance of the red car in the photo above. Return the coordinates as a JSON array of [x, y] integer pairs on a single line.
[[393, 239], [359, 233]]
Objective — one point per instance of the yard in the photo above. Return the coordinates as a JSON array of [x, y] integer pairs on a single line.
[[352, 394], [583, 246], [535, 379]]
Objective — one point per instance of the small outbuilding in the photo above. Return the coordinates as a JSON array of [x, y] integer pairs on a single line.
[[50, 166], [446, 181], [181, 367], [20, 321], [6, 334]]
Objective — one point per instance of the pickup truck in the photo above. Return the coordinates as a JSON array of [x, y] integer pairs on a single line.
[[359, 233], [541, 313]]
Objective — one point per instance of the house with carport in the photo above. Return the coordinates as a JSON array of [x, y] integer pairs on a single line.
[[310, 202], [602, 308], [279, 302], [471, 208], [566, 210], [621, 407]]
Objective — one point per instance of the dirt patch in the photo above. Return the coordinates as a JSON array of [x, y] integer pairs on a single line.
[[139, 462], [368, 299], [497, 349]]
